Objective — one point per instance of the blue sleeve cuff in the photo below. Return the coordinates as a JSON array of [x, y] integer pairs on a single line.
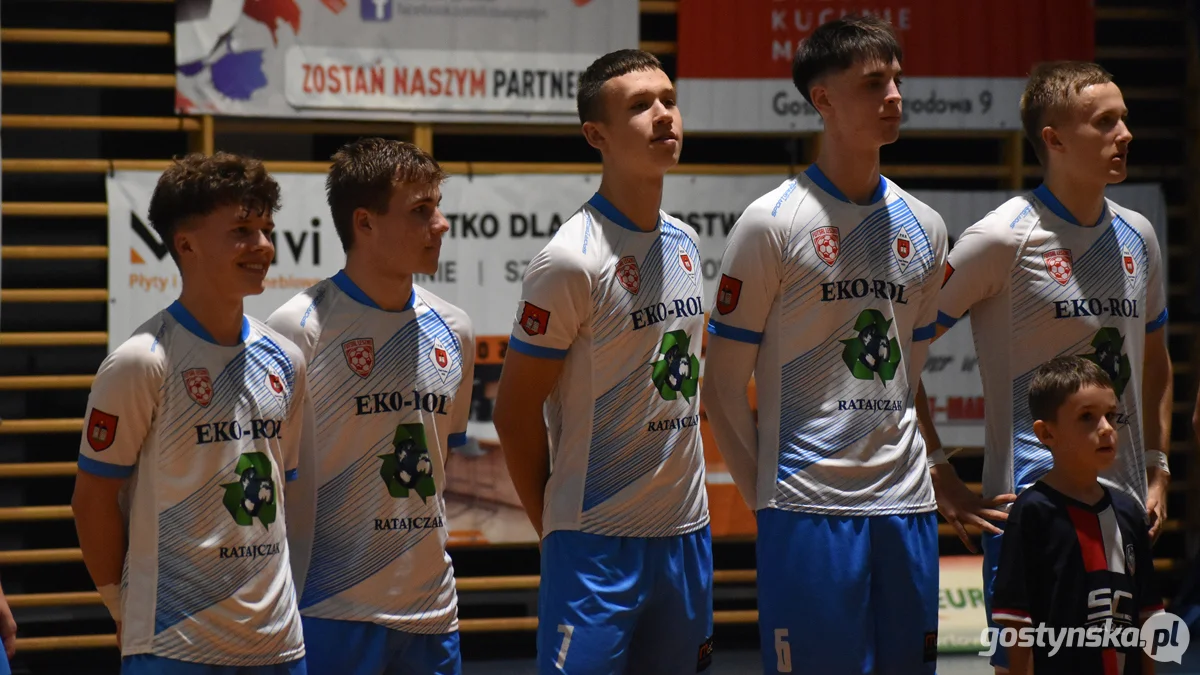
[[534, 350], [104, 469], [457, 440], [730, 332], [1158, 322], [946, 320], [925, 332], [291, 475]]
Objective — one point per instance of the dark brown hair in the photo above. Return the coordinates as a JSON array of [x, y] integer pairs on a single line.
[[614, 64], [1048, 93], [839, 44], [1055, 380], [364, 173], [199, 184]]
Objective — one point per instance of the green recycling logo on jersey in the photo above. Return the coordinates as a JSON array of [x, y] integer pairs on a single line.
[[408, 466], [871, 352], [253, 495], [677, 370], [1110, 356]]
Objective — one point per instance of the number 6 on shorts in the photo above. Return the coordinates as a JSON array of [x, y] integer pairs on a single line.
[[783, 651]]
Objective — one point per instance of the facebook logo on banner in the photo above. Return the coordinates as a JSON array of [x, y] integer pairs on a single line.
[[376, 10]]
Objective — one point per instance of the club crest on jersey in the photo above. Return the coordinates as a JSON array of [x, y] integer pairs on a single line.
[[441, 360], [199, 385], [534, 319], [685, 261], [360, 355], [1058, 264], [825, 240], [275, 385], [728, 293], [628, 275], [1128, 262], [903, 248], [101, 430]]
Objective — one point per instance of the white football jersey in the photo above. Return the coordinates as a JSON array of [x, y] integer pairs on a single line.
[[841, 299], [624, 309], [391, 394], [1039, 285], [207, 435]]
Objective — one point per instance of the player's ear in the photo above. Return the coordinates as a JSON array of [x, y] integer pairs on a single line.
[[360, 221], [183, 243], [820, 98], [1052, 140], [1043, 431], [594, 135]]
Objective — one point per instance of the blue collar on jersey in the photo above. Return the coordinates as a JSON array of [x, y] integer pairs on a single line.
[[342, 280], [1047, 197], [818, 177], [189, 322], [609, 211]]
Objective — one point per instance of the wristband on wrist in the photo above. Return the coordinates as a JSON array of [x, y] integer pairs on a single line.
[[110, 594], [1158, 458], [936, 457]]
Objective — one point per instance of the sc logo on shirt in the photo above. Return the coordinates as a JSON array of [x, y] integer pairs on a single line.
[[376, 10]]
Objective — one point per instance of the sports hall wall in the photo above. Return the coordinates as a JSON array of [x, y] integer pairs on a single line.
[[98, 94]]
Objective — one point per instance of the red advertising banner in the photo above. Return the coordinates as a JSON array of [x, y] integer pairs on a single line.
[[954, 51]]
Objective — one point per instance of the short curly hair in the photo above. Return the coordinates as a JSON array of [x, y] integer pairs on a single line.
[[199, 184]]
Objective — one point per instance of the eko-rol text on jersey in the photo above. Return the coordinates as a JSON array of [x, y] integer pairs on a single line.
[[624, 308], [207, 435], [391, 392], [842, 299], [1039, 284]]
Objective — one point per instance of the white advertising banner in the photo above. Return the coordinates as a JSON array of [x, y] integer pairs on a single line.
[[467, 60], [497, 224]]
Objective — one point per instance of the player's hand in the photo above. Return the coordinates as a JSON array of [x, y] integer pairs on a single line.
[[1156, 501], [8, 627], [961, 507]]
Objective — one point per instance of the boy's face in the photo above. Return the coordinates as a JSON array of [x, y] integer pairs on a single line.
[[1082, 436], [642, 129], [227, 251], [408, 238], [1091, 140], [862, 102]]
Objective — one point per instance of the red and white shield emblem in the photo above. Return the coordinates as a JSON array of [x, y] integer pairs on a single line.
[[101, 430], [825, 240], [904, 249], [199, 385], [360, 355], [728, 293], [1129, 263], [441, 358], [534, 320], [1058, 264], [685, 261], [628, 275], [275, 384]]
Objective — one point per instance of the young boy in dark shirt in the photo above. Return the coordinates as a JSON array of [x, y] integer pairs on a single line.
[[1076, 555]]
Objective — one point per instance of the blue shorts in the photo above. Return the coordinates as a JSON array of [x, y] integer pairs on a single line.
[[4, 669], [362, 648], [991, 562], [625, 604], [146, 664], [842, 595]]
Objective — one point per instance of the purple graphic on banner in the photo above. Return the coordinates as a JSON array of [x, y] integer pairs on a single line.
[[239, 74]]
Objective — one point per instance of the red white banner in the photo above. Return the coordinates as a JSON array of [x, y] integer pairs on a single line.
[[965, 63]]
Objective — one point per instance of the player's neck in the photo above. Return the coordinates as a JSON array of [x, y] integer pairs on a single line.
[[854, 173], [219, 316], [1080, 485], [637, 197], [391, 292], [1083, 200]]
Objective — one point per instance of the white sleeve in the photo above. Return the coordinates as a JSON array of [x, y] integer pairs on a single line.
[[295, 441], [121, 407], [555, 302], [925, 326], [461, 414], [751, 271], [977, 268], [728, 366], [1156, 293], [298, 320]]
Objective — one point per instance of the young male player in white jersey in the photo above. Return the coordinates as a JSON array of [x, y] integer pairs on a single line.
[[192, 427], [390, 369], [828, 296], [1061, 271], [607, 338]]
